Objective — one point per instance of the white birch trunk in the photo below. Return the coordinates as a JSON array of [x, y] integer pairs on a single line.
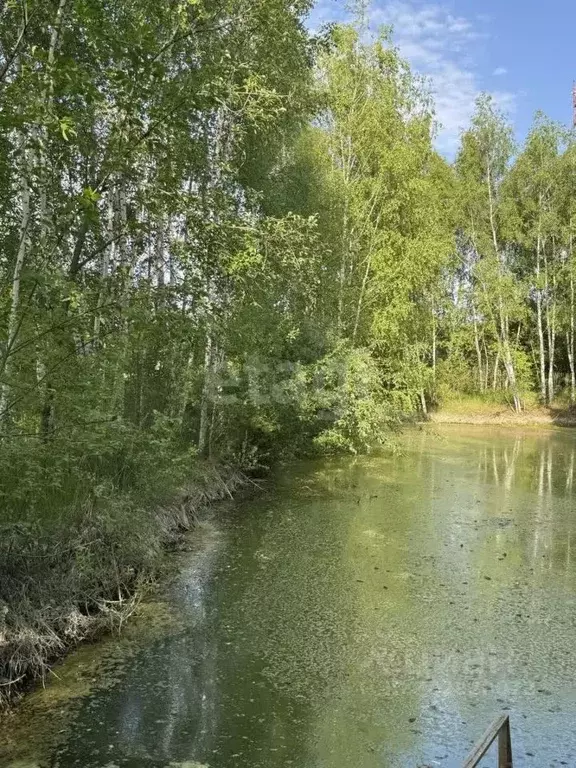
[[496, 371], [478, 351], [13, 317], [108, 256], [434, 347], [507, 358], [205, 401], [551, 323], [570, 339], [126, 270], [539, 321]]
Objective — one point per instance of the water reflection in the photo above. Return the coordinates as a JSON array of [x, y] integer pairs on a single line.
[[166, 706], [366, 613]]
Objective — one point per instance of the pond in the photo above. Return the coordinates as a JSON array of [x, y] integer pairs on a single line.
[[370, 612]]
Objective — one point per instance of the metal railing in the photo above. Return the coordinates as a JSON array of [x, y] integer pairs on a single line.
[[500, 730]]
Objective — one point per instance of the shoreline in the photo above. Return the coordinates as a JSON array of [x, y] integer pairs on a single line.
[[28, 654], [30, 648], [30, 728], [533, 418]]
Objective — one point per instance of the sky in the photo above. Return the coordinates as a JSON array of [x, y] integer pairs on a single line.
[[521, 51]]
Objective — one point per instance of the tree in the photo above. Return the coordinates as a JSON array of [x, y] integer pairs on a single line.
[[482, 164], [530, 191]]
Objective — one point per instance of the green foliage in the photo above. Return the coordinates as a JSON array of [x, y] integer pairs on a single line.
[[348, 404], [454, 375], [225, 239], [514, 313]]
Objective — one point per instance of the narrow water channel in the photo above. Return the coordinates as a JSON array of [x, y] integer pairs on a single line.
[[370, 612]]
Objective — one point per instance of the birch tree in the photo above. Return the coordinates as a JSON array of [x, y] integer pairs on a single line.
[[482, 165]]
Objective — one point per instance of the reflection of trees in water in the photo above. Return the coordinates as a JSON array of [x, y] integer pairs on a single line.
[[537, 477], [497, 463], [553, 519], [364, 721], [510, 463], [165, 707], [514, 519], [285, 608], [570, 472], [204, 694]]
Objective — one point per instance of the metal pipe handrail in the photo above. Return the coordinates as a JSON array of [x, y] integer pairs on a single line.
[[500, 729]]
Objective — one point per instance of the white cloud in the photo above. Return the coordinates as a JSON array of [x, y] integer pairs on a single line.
[[499, 71], [443, 47]]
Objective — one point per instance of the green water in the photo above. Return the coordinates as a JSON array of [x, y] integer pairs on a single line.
[[359, 613]]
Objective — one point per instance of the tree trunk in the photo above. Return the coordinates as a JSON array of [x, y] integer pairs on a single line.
[[434, 350], [346, 161], [541, 346], [570, 340], [550, 327], [511, 374], [47, 413], [341, 279], [423, 402], [507, 357], [496, 371], [203, 441], [361, 298], [551, 355], [13, 317], [41, 131], [504, 334], [118, 405], [551, 323], [570, 350], [160, 255], [478, 351], [108, 255]]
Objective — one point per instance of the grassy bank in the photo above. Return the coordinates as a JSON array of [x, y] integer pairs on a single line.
[[84, 574], [497, 411]]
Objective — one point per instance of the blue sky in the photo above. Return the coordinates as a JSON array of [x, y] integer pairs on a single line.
[[522, 51]]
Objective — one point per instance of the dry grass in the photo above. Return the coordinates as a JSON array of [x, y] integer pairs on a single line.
[[477, 410]]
